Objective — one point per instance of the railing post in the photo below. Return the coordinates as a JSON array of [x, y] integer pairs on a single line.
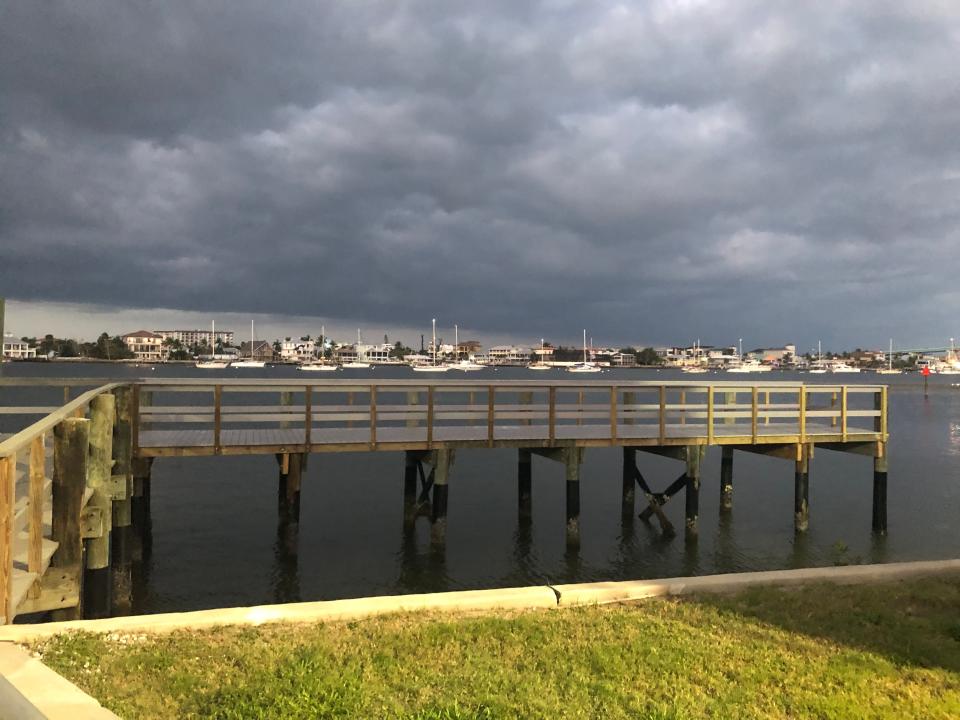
[[37, 478], [552, 415], [373, 417], [491, 410], [802, 399], [662, 429], [308, 416], [843, 413], [754, 414], [430, 416], [218, 416], [709, 414], [613, 415], [8, 474], [70, 452]]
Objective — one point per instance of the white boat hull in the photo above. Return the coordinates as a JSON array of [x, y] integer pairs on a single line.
[[248, 364], [356, 365], [317, 368], [213, 365]]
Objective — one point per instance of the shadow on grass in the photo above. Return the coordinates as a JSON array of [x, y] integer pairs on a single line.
[[911, 623]]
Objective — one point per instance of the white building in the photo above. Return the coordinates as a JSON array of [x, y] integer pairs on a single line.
[[17, 349], [500, 354], [145, 345], [189, 338], [298, 350], [377, 354]]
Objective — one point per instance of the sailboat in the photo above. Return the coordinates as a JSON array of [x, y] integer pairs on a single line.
[[250, 362], [433, 367], [358, 363], [584, 367], [465, 364], [697, 367], [212, 363], [320, 365], [818, 368], [889, 369], [539, 364]]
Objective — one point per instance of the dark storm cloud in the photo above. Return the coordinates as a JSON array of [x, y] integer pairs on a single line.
[[651, 170]]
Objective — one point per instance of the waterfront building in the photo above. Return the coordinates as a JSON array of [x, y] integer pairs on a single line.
[[190, 338], [298, 350], [17, 349], [346, 354], [146, 346], [376, 354], [262, 351], [500, 354]]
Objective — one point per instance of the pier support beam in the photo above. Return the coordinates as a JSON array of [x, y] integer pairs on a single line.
[[692, 513], [442, 462], [801, 490], [524, 484], [140, 510], [97, 587], [121, 480], [628, 491], [70, 453], [288, 501], [411, 463], [880, 491], [573, 457], [726, 479]]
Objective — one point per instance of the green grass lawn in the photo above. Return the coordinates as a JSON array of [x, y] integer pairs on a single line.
[[881, 651]]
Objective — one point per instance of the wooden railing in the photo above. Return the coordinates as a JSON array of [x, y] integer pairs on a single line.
[[40, 492], [603, 412]]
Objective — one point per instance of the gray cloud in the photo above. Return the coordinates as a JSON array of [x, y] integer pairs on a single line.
[[653, 171]]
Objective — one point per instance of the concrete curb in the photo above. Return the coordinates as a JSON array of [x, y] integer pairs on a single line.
[[524, 598], [613, 592], [29, 690], [327, 610]]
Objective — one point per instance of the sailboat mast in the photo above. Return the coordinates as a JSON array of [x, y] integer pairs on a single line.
[[434, 341], [584, 346], [456, 341]]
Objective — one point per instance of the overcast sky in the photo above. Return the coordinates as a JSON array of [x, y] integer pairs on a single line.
[[652, 171]]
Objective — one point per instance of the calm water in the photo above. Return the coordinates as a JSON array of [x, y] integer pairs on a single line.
[[215, 538]]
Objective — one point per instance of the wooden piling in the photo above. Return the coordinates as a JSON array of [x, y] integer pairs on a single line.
[[726, 479], [140, 521], [411, 461], [801, 490], [70, 452], [121, 570], [880, 491], [692, 513], [628, 488], [97, 588], [572, 460], [442, 461], [524, 483]]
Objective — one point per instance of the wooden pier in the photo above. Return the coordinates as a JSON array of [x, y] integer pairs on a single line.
[[81, 475]]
